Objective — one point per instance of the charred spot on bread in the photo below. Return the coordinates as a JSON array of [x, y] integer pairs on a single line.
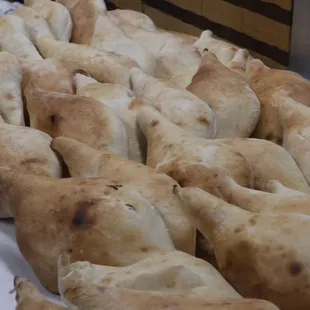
[[203, 120], [154, 123], [116, 187], [175, 189], [81, 216], [131, 207], [53, 118], [295, 268], [144, 249]]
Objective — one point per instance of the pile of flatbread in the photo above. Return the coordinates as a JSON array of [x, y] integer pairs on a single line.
[[150, 169]]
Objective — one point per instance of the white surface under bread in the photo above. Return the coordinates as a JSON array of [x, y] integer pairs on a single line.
[[13, 264], [7, 7]]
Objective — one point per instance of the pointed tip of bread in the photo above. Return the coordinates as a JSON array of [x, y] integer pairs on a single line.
[[81, 79]]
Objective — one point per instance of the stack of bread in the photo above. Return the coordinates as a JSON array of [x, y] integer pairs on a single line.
[[120, 142]]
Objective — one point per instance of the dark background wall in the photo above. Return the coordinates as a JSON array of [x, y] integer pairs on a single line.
[[262, 26]]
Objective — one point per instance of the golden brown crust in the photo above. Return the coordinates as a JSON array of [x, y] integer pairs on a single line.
[[83, 160], [90, 297], [84, 17], [263, 255], [63, 115], [90, 219], [266, 83], [49, 75], [236, 106]]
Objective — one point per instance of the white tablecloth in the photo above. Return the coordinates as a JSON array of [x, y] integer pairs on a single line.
[[6, 7]]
